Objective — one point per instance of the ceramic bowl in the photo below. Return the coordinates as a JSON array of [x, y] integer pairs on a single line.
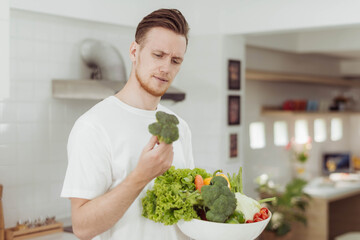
[[205, 230]]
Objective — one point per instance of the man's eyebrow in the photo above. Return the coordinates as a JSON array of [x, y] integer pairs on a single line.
[[165, 53], [178, 58]]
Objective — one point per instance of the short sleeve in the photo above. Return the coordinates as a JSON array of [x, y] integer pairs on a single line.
[[88, 174]]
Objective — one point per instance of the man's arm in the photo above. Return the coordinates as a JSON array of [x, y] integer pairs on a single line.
[[93, 217]]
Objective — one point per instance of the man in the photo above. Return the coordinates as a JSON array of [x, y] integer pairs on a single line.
[[111, 159]]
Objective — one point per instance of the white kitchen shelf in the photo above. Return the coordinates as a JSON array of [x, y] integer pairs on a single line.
[[272, 112], [260, 75]]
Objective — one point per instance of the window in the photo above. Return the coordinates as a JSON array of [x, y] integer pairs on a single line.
[[319, 130], [280, 133], [257, 135], [301, 131], [336, 129]]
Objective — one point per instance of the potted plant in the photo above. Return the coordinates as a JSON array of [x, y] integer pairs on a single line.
[[299, 155], [289, 207]]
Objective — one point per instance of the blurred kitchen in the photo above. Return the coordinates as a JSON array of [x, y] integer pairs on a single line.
[[272, 86]]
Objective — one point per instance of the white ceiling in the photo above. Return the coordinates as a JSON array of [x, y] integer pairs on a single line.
[[211, 16]]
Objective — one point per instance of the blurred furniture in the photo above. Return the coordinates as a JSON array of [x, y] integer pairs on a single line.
[[270, 111], [57, 236], [17, 234], [349, 236], [333, 211], [2, 224]]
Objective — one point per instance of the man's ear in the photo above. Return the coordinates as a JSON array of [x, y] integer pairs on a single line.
[[134, 47]]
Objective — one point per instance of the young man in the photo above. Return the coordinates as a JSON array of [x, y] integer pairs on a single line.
[[112, 156]]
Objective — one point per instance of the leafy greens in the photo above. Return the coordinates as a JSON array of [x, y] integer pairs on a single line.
[[171, 198]]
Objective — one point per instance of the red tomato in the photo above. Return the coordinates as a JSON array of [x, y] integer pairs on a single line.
[[257, 215], [249, 221], [265, 210], [258, 219], [264, 215]]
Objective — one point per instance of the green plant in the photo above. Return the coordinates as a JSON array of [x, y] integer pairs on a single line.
[[290, 205]]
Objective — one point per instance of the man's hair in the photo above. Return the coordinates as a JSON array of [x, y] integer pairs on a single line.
[[171, 19]]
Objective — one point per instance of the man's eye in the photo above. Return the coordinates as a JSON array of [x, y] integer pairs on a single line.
[[157, 55], [176, 62]]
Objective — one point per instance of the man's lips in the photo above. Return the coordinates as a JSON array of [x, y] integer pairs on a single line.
[[161, 79]]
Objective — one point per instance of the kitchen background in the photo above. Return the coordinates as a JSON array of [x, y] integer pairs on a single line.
[[44, 45], [35, 126]]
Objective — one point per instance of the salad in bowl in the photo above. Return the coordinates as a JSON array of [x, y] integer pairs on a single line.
[[205, 206]]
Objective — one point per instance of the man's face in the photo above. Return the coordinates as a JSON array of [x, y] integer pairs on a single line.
[[159, 59]]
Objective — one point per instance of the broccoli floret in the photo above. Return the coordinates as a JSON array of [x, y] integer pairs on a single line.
[[218, 198], [166, 118], [165, 128], [155, 128]]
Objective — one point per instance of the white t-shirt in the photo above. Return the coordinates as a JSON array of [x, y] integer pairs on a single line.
[[104, 147]]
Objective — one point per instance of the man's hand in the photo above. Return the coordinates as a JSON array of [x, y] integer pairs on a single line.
[[154, 160]]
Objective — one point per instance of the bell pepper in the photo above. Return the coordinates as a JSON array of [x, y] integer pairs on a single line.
[[216, 173]]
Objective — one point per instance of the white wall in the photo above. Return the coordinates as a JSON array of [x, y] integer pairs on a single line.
[[280, 41], [272, 159], [126, 13], [34, 127], [244, 17], [204, 76], [279, 61], [342, 42], [337, 40], [355, 135], [330, 40], [233, 48], [202, 109], [350, 67], [4, 49]]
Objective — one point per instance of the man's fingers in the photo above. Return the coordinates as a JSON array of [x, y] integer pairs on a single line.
[[151, 144], [163, 147]]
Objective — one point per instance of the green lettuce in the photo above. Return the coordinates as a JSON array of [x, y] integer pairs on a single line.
[[167, 201]]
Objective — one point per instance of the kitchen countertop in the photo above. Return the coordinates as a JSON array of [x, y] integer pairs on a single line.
[[59, 235], [332, 191]]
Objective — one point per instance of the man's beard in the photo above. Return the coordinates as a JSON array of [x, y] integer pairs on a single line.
[[147, 87]]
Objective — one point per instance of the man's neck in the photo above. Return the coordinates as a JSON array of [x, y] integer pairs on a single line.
[[134, 95]]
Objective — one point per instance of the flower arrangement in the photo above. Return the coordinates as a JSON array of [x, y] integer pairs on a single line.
[[299, 152], [290, 204]]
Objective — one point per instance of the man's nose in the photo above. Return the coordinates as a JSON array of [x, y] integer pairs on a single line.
[[165, 66]]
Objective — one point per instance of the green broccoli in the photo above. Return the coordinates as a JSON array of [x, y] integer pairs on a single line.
[[236, 217], [218, 198], [165, 128]]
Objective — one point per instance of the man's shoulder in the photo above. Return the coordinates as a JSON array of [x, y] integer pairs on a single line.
[[98, 113]]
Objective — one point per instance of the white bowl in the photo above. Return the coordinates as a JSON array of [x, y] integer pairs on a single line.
[[205, 230]]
